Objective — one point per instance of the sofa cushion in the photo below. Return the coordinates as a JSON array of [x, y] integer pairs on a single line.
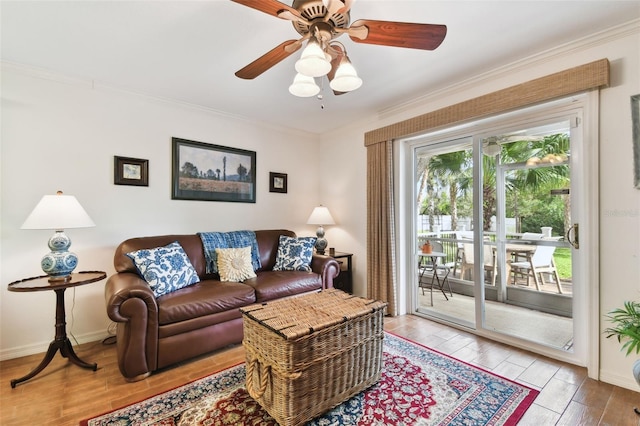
[[234, 264], [268, 241], [205, 298], [199, 323], [166, 269], [234, 239], [294, 254], [270, 285]]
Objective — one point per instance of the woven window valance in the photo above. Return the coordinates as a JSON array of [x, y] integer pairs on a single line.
[[563, 83]]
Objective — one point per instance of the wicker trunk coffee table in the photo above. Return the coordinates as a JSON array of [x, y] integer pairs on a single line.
[[307, 354]]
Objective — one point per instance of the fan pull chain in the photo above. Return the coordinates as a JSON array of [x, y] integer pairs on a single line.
[[320, 95]]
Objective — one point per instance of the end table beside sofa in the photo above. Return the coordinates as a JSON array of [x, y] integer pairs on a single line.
[[156, 332], [61, 341]]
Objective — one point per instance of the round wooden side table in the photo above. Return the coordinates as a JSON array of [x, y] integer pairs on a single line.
[[61, 341]]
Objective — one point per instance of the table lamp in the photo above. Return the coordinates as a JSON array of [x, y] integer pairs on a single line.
[[58, 212], [320, 216]]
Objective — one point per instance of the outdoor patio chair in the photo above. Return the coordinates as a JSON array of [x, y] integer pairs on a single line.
[[468, 261], [527, 236], [540, 262], [460, 236]]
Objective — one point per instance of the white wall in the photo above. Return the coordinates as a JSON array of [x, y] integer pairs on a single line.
[[62, 134], [619, 200], [77, 129]]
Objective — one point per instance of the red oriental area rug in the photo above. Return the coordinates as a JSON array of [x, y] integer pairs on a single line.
[[419, 386]]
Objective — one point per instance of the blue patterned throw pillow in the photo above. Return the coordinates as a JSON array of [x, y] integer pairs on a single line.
[[166, 269], [294, 254]]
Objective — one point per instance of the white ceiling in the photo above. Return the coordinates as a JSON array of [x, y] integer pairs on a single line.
[[188, 51]]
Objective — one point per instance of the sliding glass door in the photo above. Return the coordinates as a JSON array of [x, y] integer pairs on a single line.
[[526, 214], [496, 204], [444, 206]]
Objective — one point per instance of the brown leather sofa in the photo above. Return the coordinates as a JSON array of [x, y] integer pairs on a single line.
[[156, 333]]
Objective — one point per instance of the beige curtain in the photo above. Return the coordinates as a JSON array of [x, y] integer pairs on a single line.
[[381, 256], [381, 282]]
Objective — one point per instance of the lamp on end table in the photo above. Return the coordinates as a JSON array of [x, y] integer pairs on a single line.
[[58, 212], [320, 216]]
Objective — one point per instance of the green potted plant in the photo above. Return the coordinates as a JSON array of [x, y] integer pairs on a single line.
[[626, 328]]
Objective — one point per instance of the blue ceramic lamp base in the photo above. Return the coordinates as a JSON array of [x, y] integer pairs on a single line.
[[321, 241], [60, 262]]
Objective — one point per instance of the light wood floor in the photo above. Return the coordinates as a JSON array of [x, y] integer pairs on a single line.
[[64, 394]]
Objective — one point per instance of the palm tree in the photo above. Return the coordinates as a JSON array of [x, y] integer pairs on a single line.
[[454, 171], [533, 179], [445, 171]]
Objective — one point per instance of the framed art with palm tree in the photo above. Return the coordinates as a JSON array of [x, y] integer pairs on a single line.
[[207, 172]]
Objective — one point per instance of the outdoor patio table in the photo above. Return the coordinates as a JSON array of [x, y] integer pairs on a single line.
[[435, 277]]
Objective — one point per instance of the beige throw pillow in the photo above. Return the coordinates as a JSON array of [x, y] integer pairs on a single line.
[[234, 264]]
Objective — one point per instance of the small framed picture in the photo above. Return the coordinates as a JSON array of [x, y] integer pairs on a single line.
[[278, 182], [130, 171]]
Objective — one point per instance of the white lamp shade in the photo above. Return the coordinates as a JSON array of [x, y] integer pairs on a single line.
[[346, 78], [313, 61], [304, 86], [58, 212], [320, 216]]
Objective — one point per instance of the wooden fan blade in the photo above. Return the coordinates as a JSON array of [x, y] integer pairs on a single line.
[[269, 59], [398, 34], [270, 7], [335, 62]]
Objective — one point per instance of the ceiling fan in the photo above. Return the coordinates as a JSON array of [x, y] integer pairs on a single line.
[[319, 22]]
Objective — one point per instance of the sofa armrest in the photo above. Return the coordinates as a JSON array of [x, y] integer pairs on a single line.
[[327, 267], [131, 303]]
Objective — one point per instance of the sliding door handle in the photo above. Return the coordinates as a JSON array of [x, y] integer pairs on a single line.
[[576, 236]]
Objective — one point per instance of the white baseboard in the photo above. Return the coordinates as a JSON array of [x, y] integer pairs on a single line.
[[42, 347], [625, 381]]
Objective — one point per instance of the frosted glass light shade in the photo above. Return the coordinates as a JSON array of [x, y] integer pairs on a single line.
[[346, 78], [313, 61], [304, 86], [492, 149]]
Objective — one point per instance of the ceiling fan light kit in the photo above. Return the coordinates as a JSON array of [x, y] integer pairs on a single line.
[[346, 78], [320, 22], [313, 62], [304, 86]]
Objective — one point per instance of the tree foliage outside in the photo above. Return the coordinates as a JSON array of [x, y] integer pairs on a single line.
[[445, 184], [539, 209]]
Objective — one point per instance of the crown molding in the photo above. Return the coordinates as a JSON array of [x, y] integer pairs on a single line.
[[45, 74], [575, 46]]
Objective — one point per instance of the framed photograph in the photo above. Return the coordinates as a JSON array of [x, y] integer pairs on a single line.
[[130, 171], [208, 172], [635, 122], [278, 182]]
